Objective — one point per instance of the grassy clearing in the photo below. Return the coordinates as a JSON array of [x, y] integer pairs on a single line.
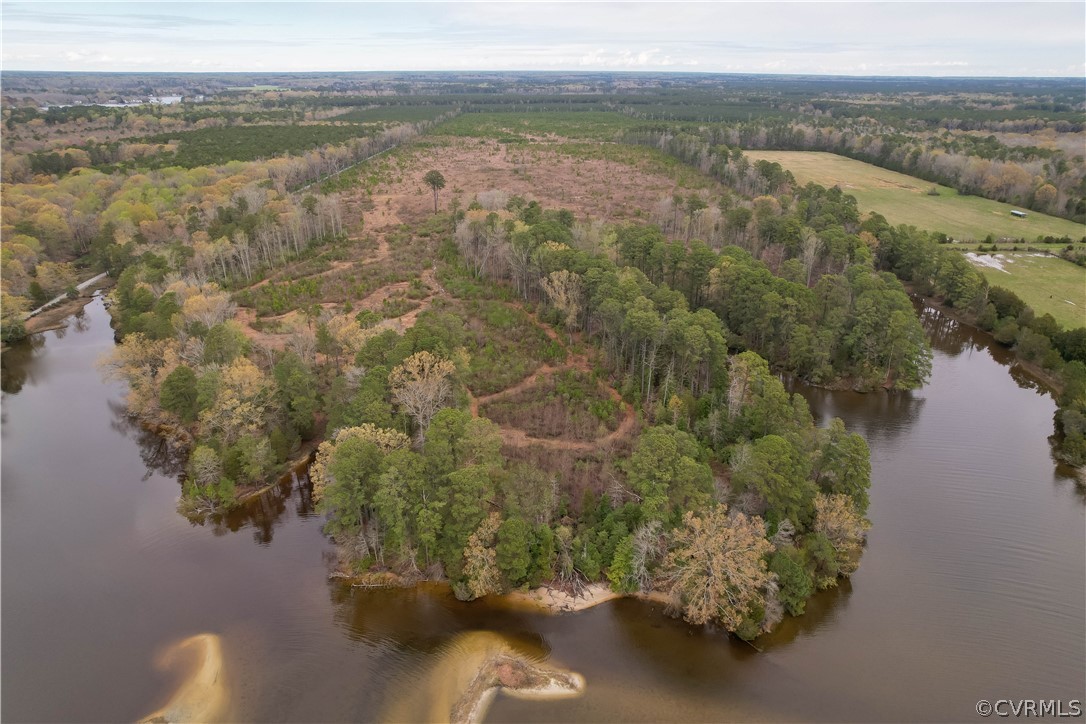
[[607, 181], [647, 159], [904, 199], [1048, 284]]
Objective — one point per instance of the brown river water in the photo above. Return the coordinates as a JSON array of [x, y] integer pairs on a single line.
[[973, 584]]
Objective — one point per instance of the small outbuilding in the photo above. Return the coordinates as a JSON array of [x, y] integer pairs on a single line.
[[1019, 214]]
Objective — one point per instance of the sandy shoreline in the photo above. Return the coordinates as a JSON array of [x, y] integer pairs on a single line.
[[543, 599], [552, 600], [56, 317]]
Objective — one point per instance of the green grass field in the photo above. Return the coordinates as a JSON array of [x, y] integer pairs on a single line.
[[904, 199], [1048, 284]]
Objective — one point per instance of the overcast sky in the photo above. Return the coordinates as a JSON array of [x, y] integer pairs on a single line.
[[847, 38]]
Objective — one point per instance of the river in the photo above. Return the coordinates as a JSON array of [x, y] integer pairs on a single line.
[[972, 586]]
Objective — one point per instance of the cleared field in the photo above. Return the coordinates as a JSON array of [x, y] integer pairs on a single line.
[[904, 199], [602, 181], [1048, 284]]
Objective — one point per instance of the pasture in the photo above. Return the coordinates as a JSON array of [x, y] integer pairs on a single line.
[[1048, 284], [904, 199]]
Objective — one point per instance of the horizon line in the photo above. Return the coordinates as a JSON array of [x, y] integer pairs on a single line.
[[584, 71]]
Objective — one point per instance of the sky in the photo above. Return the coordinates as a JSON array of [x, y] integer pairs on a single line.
[[839, 38]]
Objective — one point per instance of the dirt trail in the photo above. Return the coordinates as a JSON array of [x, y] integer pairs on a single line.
[[382, 253], [278, 341], [526, 383], [405, 321], [519, 438], [584, 185], [577, 362], [245, 317], [384, 216]]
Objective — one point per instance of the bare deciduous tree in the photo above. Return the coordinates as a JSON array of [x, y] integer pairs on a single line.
[[812, 249], [481, 559], [421, 386], [716, 568], [837, 519], [647, 547], [565, 292]]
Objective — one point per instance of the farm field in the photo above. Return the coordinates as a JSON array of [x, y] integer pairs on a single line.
[[904, 199], [1048, 284]]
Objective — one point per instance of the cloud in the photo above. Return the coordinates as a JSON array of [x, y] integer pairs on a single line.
[[43, 15], [810, 37]]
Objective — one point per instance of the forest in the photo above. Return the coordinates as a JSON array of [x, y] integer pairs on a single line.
[[295, 279]]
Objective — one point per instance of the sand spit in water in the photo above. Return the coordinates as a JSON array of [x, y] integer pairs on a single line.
[[469, 673], [203, 695]]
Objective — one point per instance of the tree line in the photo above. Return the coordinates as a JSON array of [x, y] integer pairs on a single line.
[[935, 270], [919, 258], [1050, 181]]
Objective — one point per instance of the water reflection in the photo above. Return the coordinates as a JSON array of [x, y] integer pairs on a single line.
[[822, 609], [883, 417], [952, 338], [423, 617], [1025, 379], [159, 455], [16, 363], [944, 333], [261, 511], [879, 416], [266, 510]]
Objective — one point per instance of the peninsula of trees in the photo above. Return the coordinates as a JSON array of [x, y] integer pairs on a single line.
[[525, 340]]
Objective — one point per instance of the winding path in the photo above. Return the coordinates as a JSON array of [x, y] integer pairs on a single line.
[[516, 437], [385, 218]]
